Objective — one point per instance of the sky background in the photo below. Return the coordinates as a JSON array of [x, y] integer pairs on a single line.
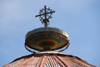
[[79, 18]]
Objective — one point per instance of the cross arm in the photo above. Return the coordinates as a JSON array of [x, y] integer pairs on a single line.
[[45, 13]]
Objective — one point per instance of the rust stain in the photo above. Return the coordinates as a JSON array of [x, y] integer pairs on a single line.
[[63, 40]]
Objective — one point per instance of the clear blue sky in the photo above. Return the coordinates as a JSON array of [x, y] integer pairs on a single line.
[[79, 18]]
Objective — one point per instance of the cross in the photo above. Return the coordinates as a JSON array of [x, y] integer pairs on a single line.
[[45, 14]]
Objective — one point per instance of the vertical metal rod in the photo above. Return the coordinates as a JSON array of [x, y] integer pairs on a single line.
[[63, 61], [43, 61], [45, 17], [59, 61]]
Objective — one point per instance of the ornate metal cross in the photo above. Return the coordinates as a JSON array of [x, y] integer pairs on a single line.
[[45, 15]]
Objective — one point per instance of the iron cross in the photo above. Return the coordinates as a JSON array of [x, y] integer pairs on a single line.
[[44, 17]]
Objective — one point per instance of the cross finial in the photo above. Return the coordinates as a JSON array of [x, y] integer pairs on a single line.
[[45, 15]]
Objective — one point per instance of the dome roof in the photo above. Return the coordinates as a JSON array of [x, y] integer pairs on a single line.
[[49, 59]]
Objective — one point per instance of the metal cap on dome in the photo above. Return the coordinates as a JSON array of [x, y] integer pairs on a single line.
[[46, 38]]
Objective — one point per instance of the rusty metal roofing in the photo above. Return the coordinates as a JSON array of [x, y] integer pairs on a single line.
[[49, 59]]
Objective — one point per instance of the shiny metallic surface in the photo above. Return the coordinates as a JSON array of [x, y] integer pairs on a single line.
[[42, 29], [49, 59], [47, 37]]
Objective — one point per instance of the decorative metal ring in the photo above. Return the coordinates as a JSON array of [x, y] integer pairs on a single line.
[[65, 48], [29, 49]]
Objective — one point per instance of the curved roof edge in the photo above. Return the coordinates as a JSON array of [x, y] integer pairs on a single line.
[[49, 56]]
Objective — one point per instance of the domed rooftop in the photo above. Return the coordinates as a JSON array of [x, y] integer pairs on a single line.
[[46, 39], [49, 59]]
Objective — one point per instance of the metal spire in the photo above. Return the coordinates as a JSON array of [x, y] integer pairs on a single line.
[[45, 15]]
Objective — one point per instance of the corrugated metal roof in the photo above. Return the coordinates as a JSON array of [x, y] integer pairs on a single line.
[[49, 59]]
